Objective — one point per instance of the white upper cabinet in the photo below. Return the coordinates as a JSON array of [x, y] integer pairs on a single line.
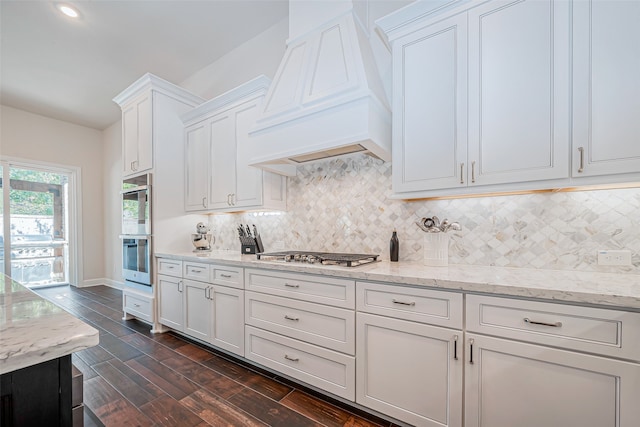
[[502, 69], [430, 93], [518, 92], [137, 142], [217, 149], [150, 113], [606, 88]]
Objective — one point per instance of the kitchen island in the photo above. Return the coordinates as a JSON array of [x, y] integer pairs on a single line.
[[36, 341]]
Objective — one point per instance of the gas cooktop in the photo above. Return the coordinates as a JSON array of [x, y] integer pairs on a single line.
[[325, 258]]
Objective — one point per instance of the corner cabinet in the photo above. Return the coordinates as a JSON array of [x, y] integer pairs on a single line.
[[148, 106], [217, 149]]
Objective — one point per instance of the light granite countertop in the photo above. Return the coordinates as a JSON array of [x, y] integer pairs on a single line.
[[34, 330], [607, 289]]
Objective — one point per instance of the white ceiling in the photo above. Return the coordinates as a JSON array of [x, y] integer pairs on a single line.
[[71, 69]]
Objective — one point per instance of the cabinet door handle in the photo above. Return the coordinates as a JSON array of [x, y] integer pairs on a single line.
[[455, 347], [233, 199], [473, 172], [180, 284], [226, 276], [534, 322], [471, 351], [581, 167], [291, 286], [204, 202], [295, 319], [293, 359], [461, 173], [410, 303]]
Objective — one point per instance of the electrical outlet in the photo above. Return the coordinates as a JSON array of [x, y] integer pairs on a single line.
[[610, 257]]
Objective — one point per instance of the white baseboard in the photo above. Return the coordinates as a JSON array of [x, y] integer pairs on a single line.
[[103, 281]]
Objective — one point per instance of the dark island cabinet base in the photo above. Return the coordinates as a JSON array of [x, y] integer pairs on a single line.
[[39, 395]]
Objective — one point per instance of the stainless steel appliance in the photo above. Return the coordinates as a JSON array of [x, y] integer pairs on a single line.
[[324, 258], [136, 229]]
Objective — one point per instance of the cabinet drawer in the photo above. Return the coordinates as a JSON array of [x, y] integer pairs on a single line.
[[330, 327], [419, 305], [319, 289], [326, 369], [138, 305], [596, 330], [196, 271], [227, 276], [170, 267]]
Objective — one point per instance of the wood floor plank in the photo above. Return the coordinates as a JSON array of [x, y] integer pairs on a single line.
[[110, 406], [194, 352], [168, 339], [208, 379], [119, 348], [134, 387], [323, 412], [148, 346], [269, 411], [168, 412], [87, 371], [217, 412], [94, 355], [171, 382], [265, 385], [226, 367]]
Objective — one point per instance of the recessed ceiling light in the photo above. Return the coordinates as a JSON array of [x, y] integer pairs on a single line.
[[68, 10]]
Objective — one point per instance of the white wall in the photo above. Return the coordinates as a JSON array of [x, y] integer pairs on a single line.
[[32, 137], [112, 164]]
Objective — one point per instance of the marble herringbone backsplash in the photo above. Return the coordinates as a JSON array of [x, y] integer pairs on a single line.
[[343, 205]]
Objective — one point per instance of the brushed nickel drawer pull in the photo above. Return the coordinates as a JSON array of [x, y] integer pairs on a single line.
[[471, 351], [136, 305], [293, 359], [295, 319], [473, 172], [204, 202], [292, 286], [581, 167], [196, 271], [170, 267], [461, 173], [533, 322], [412, 303], [226, 276]]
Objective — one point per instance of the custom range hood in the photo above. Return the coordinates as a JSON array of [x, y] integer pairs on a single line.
[[327, 97]]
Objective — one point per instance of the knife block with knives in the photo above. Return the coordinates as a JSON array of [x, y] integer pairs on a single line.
[[250, 243]]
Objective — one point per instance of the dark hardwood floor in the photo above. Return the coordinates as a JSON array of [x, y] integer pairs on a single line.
[[136, 378]]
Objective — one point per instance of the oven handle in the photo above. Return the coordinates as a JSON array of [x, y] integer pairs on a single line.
[[135, 189], [136, 236]]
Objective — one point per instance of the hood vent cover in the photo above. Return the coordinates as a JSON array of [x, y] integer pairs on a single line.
[[326, 98]]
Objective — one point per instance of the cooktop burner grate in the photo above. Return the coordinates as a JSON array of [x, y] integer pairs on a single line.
[[325, 258]]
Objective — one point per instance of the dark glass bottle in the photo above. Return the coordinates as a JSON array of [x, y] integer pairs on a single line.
[[394, 247]]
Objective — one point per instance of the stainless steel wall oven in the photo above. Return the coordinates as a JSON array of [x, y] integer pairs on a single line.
[[136, 229]]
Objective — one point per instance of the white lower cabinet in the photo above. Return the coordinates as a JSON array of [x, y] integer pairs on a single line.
[[409, 370], [170, 302], [202, 308], [197, 309], [578, 366], [409, 346], [510, 383]]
